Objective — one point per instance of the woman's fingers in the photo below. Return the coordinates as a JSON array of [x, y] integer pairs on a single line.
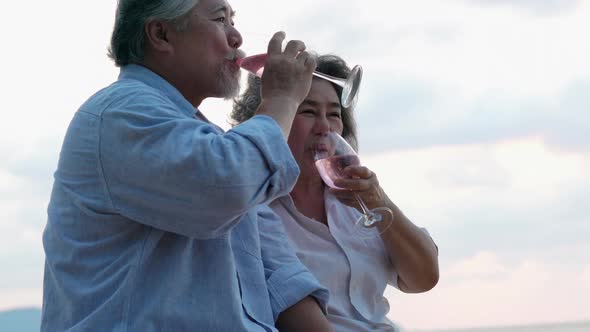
[[360, 179], [362, 182], [346, 197]]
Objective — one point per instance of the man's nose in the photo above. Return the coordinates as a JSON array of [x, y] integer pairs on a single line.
[[235, 38]]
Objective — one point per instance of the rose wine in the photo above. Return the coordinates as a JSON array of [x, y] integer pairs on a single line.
[[332, 168], [253, 63]]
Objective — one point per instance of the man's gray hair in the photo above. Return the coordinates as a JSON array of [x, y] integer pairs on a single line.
[[128, 38]]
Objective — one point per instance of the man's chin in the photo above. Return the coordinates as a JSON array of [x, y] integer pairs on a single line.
[[232, 93], [230, 86]]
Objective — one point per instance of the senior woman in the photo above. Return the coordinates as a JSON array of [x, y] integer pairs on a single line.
[[319, 221]]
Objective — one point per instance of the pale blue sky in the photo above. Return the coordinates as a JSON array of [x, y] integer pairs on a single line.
[[473, 113]]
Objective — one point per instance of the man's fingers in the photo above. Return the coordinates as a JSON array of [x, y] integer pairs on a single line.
[[307, 60], [275, 45], [302, 57], [294, 47]]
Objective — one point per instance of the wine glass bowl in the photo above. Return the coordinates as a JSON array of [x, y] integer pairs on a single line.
[[350, 86], [332, 155], [253, 63]]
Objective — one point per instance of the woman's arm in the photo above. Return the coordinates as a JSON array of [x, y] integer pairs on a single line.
[[305, 315], [411, 250]]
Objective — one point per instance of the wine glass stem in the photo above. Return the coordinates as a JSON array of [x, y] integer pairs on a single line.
[[335, 80], [365, 209]]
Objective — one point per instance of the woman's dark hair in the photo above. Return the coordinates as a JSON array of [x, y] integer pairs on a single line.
[[245, 106]]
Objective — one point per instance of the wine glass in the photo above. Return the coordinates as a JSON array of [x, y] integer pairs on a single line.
[[332, 154], [350, 86]]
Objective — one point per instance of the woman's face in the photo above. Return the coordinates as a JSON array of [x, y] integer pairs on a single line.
[[319, 113]]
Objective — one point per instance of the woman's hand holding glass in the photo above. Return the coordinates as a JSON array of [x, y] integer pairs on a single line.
[[361, 181], [339, 168]]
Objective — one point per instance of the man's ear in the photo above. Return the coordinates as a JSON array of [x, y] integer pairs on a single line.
[[157, 33]]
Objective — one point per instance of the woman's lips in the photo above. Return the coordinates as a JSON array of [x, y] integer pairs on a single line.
[[321, 148]]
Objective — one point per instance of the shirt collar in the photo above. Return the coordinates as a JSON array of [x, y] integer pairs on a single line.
[[150, 78]]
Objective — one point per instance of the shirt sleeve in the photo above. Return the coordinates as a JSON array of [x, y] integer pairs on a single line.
[[182, 175], [288, 280]]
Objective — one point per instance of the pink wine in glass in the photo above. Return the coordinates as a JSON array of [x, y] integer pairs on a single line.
[[350, 86], [253, 64], [332, 155], [332, 168]]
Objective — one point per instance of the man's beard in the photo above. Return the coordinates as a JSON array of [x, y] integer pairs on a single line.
[[228, 82]]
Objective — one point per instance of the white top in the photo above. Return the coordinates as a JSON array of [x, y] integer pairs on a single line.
[[355, 270]]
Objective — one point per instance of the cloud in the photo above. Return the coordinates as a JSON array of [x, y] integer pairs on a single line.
[[571, 122], [20, 298], [22, 256], [537, 7], [485, 290], [484, 265], [26, 177], [415, 115], [34, 159], [463, 72], [487, 76], [473, 115], [510, 197]]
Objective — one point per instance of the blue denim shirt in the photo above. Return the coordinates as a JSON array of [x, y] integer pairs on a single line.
[[157, 219]]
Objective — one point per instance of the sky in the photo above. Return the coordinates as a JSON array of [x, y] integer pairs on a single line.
[[474, 114]]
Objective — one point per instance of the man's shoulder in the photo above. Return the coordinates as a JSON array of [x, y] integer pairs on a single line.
[[123, 93], [129, 89]]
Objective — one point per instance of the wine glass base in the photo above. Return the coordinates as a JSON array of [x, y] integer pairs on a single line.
[[369, 221], [366, 225]]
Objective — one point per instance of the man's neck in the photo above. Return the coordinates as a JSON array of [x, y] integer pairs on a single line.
[[172, 76]]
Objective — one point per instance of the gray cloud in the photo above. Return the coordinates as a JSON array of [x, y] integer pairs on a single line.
[[569, 126], [481, 173], [21, 269], [545, 230], [24, 200], [366, 36], [537, 7], [36, 164], [397, 114], [412, 115]]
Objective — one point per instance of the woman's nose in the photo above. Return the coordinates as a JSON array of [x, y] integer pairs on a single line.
[[322, 125]]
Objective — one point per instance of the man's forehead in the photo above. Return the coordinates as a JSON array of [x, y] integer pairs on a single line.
[[213, 6]]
